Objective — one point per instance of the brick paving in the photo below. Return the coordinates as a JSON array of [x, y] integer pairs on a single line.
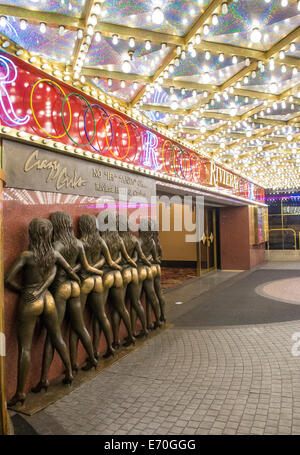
[[189, 380]]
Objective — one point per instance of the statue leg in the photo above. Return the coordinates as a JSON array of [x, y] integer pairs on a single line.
[[97, 304], [86, 287], [96, 336], [152, 299], [162, 303], [134, 292], [52, 324], [25, 333], [115, 323], [117, 300], [60, 298], [77, 323], [150, 324]]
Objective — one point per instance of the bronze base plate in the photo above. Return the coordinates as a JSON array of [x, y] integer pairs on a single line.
[[35, 402]]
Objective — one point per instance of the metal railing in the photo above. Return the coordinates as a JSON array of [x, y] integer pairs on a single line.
[[283, 242]]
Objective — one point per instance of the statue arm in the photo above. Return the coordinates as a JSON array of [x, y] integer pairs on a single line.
[[84, 262], [66, 266], [154, 253], [140, 253], [15, 269], [126, 255], [117, 261], [108, 258], [36, 293]]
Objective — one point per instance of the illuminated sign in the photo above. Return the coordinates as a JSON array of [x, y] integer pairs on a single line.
[[41, 106], [148, 155], [8, 75]]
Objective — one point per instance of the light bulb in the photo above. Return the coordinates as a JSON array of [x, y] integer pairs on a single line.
[[43, 27], [221, 57], [292, 47], [206, 78], [158, 16], [97, 37], [234, 59], [281, 55], [205, 29], [23, 24], [295, 71], [131, 42], [207, 55], [126, 67], [283, 69], [79, 33], [198, 38], [183, 55], [284, 3], [174, 105], [115, 40], [122, 84], [273, 87], [298, 5], [247, 61], [2, 21], [177, 61], [190, 47], [109, 82], [148, 45], [214, 19], [256, 35], [224, 8]]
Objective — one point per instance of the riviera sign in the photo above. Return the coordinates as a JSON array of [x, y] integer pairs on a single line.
[[45, 108]]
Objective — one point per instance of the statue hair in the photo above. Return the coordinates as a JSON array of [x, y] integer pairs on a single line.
[[89, 233], [63, 231], [40, 237]]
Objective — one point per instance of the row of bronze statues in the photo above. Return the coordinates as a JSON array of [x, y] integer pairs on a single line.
[[62, 273]]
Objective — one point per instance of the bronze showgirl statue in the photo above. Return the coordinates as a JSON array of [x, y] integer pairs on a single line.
[[117, 298], [94, 288], [38, 265], [134, 288], [150, 251], [157, 279], [67, 291]]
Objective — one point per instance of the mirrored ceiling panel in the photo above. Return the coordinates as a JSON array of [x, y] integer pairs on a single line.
[[232, 105], [206, 68], [119, 89], [270, 20], [49, 44], [159, 117], [168, 16], [69, 7], [111, 55], [272, 81]]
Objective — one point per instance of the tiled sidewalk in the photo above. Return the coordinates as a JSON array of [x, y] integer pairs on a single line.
[[221, 380]]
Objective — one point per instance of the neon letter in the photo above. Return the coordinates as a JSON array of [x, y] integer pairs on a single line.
[[148, 157], [9, 76]]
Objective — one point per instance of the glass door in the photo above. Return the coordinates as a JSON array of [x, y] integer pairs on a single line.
[[207, 247]]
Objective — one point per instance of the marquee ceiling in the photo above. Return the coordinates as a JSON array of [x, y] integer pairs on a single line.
[[221, 77]]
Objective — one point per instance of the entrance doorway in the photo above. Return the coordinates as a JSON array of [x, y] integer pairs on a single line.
[[207, 247]]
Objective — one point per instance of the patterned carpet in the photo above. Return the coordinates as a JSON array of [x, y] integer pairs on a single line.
[[172, 276]]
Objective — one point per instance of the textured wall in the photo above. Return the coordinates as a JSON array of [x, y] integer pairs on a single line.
[[236, 251]]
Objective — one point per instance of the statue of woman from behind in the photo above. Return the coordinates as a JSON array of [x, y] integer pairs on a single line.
[[38, 265]]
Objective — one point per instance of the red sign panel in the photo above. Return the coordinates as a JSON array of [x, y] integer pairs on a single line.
[[37, 104]]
